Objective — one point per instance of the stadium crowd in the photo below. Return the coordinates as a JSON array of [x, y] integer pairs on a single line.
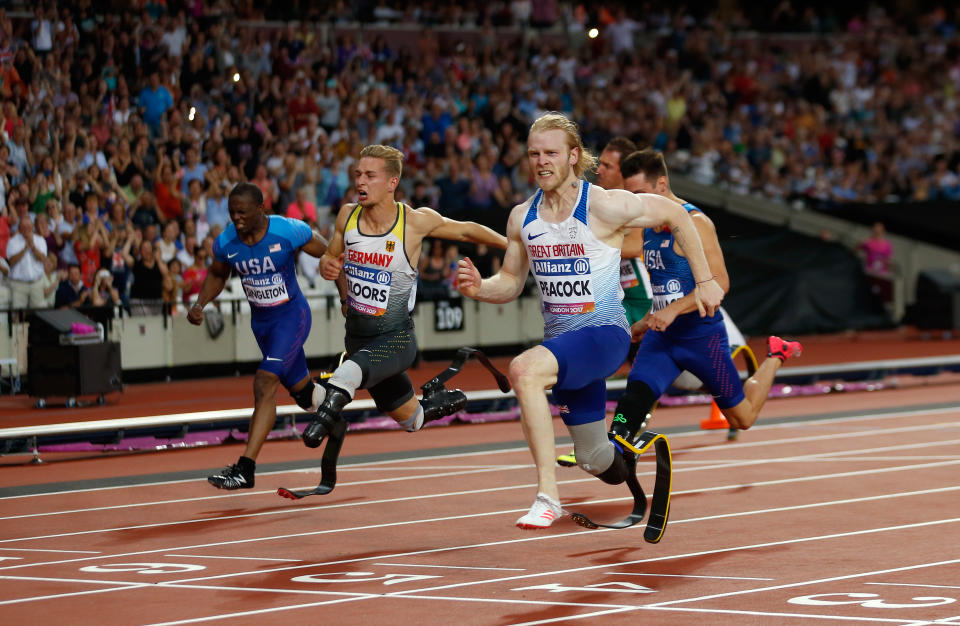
[[123, 131]]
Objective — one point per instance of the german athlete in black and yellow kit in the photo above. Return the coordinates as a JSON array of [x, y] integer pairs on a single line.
[[376, 244]]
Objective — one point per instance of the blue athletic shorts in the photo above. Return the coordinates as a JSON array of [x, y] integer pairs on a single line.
[[660, 360], [281, 335], [586, 357]]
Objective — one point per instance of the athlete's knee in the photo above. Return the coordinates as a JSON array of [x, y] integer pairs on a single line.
[[264, 385], [310, 397], [741, 416], [528, 370]]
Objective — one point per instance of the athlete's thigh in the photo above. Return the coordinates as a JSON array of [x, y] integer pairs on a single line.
[[654, 364], [584, 405], [708, 358], [588, 354], [383, 356]]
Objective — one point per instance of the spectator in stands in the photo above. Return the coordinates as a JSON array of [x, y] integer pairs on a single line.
[[434, 271], [103, 292], [172, 293], [72, 292], [51, 280], [26, 253], [194, 275], [146, 292], [877, 251], [155, 100]]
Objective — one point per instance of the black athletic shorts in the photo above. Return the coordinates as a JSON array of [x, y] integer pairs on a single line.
[[384, 360]]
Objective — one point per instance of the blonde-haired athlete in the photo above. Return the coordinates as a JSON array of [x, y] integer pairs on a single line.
[[569, 235]]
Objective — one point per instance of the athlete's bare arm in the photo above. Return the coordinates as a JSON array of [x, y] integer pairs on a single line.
[[507, 283], [331, 262], [632, 247], [213, 284], [431, 224], [617, 209], [659, 320], [317, 246]]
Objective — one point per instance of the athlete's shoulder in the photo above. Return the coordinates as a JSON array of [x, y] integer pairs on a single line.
[[289, 228], [223, 240], [228, 236]]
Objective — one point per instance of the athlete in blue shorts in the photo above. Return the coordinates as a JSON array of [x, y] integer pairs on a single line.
[[569, 235], [262, 251], [674, 338]]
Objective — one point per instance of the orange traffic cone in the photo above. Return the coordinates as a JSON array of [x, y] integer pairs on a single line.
[[716, 420]]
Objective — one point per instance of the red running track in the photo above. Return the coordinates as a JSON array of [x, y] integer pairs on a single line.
[[832, 508]]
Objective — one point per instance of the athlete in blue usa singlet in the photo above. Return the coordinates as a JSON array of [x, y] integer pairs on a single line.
[[675, 336], [261, 250]]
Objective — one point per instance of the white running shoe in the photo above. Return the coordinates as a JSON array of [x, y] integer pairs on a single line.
[[542, 514]]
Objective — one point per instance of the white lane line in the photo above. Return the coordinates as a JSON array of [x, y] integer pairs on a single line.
[[670, 557], [346, 466], [48, 550], [916, 585], [615, 608], [277, 609], [89, 592], [309, 592], [847, 618], [505, 569], [293, 510], [514, 541], [692, 434], [817, 581], [238, 558], [492, 513], [687, 576], [715, 465], [570, 618], [260, 493], [60, 579]]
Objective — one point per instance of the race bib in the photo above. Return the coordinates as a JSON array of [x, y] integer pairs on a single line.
[[269, 290], [663, 295], [565, 285], [628, 277], [368, 289]]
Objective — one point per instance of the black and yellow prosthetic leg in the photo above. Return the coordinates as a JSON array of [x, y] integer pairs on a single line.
[[438, 401], [660, 505]]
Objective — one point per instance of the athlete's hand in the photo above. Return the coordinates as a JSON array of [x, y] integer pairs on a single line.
[[330, 267], [468, 278], [639, 329], [709, 294], [195, 315], [662, 318]]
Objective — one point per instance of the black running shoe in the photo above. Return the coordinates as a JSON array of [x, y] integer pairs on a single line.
[[443, 403], [231, 478]]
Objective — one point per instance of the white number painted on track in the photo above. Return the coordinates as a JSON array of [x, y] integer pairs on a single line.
[[614, 587], [360, 577], [874, 601], [144, 568]]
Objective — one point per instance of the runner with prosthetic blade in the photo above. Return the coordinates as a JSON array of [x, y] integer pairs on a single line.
[[568, 234], [376, 244], [676, 339], [437, 402]]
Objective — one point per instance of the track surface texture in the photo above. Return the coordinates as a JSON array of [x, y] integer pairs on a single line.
[[833, 508]]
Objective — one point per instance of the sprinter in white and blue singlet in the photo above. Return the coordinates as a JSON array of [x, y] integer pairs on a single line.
[[376, 244], [262, 249], [675, 338], [569, 235]]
